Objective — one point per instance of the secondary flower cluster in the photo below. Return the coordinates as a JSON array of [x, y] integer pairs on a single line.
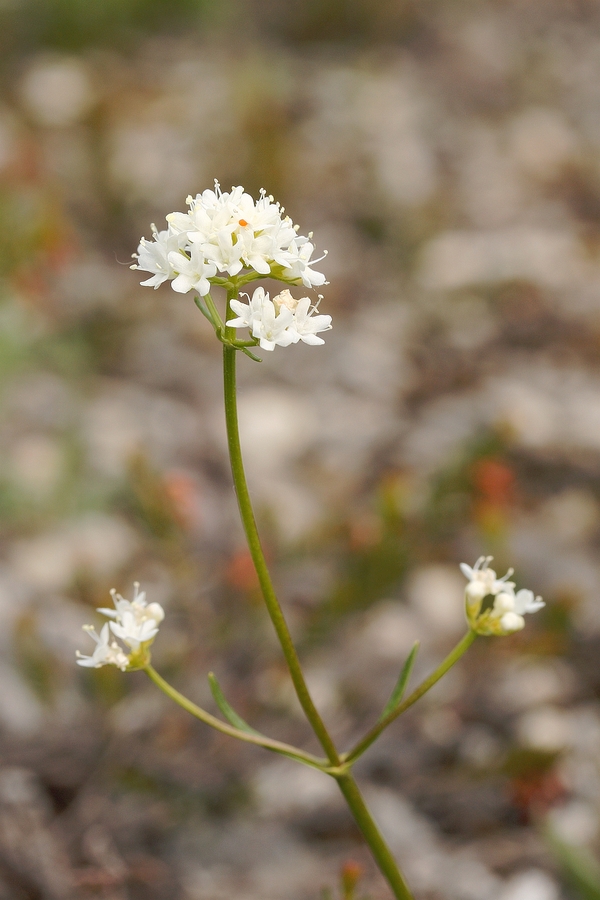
[[135, 623], [281, 321], [226, 233], [504, 614]]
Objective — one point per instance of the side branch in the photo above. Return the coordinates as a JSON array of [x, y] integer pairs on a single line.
[[426, 685], [250, 737]]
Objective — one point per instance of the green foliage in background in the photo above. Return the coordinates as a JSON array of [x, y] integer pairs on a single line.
[[73, 24], [70, 25]]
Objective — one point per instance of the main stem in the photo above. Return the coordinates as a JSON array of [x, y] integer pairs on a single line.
[[380, 850], [256, 552]]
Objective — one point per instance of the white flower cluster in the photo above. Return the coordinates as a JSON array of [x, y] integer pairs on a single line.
[[226, 233], [135, 623], [281, 321], [505, 613]]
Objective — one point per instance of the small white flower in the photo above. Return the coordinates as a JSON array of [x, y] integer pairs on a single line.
[[107, 652], [483, 580], [223, 251], [306, 323], [134, 632], [271, 326], [504, 602], [135, 622], [153, 256], [258, 250], [248, 313], [281, 321], [505, 614], [138, 606], [193, 272], [509, 609], [301, 250], [526, 602]]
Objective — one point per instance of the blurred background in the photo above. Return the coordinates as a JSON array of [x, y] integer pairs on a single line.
[[446, 153]]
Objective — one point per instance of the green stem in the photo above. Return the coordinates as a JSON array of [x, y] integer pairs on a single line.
[[214, 312], [256, 552], [372, 835], [208, 719], [441, 670]]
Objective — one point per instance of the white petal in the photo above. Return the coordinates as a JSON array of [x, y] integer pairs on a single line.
[[311, 339], [182, 284]]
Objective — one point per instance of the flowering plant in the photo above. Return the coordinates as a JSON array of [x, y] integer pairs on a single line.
[[228, 240]]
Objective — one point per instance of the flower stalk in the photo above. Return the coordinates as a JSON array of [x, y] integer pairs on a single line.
[[247, 736], [422, 689]]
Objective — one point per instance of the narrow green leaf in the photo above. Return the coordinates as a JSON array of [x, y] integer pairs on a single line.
[[581, 869], [251, 355], [204, 310], [234, 719], [229, 713], [398, 691]]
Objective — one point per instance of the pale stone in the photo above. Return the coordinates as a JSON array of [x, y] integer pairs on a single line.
[[36, 464], [542, 141], [151, 161], [572, 515], [576, 823], [550, 257], [437, 592], [95, 542], [544, 728], [20, 711], [533, 884], [390, 631], [282, 788], [57, 91], [526, 683]]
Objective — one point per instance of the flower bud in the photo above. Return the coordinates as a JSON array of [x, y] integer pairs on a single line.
[[504, 603], [511, 622], [475, 591], [156, 612]]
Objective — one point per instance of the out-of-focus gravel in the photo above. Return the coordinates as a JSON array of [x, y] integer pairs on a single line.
[[452, 172]]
